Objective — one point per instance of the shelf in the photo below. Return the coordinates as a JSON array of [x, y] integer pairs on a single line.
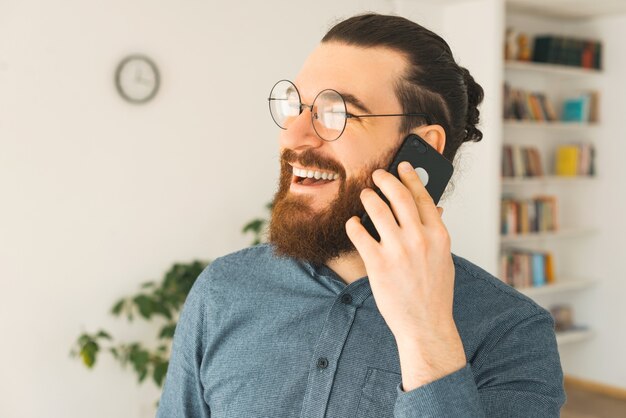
[[538, 236], [558, 125], [552, 179], [564, 285], [555, 69], [567, 337]]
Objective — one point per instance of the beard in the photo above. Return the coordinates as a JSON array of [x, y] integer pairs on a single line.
[[298, 231]]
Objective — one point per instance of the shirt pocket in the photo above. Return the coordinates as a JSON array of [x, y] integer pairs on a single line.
[[379, 393]]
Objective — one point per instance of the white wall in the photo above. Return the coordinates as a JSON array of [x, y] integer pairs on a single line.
[[601, 359], [99, 195], [473, 29]]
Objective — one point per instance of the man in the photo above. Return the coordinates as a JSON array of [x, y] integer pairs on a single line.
[[326, 321]]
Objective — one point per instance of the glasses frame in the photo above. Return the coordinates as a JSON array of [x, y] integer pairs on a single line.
[[348, 114]]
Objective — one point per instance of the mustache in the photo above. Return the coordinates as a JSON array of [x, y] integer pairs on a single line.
[[310, 158]]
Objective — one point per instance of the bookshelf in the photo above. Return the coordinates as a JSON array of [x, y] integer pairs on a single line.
[[551, 69], [545, 180], [560, 234], [565, 126], [564, 285], [535, 84]]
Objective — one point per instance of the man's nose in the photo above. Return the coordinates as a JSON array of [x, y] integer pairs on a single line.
[[300, 133]]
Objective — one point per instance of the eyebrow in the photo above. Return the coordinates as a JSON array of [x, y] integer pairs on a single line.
[[354, 101]]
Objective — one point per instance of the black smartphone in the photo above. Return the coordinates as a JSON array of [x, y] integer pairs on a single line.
[[433, 169]]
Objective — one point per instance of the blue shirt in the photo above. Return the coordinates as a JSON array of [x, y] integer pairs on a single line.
[[264, 336]]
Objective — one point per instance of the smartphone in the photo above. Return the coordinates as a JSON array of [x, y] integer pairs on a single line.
[[433, 169]]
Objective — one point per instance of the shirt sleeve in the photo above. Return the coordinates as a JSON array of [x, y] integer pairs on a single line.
[[520, 376], [182, 394]]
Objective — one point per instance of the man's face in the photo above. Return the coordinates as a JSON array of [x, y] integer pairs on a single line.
[[308, 219]]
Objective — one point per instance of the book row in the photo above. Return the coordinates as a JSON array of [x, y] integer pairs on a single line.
[[521, 104], [523, 268], [569, 160], [519, 161], [575, 160], [585, 53], [523, 216]]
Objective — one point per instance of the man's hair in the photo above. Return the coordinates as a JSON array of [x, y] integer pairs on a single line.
[[433, 83]]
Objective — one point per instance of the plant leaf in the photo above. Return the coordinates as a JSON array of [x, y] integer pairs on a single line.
[[145, 305], [88, 353], [104, 334], [168, 331], [117, 308], [159, 372], [253, 226], [142, 374]]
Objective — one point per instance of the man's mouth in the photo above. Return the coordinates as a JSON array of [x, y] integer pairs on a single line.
[[313, 177]]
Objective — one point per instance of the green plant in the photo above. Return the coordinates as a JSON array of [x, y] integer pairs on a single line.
[[163, 299]]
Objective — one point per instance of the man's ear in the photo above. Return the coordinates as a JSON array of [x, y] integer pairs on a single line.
[[435, 135]]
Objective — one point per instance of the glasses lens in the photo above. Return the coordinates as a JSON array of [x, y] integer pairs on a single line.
[[329, 115], [284, 103]]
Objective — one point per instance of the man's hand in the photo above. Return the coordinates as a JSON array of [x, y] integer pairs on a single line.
[[411, 274]]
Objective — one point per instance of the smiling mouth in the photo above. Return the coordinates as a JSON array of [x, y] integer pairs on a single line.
[[308, 177]]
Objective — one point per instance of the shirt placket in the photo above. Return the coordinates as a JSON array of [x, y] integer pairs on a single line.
[[325, 357]]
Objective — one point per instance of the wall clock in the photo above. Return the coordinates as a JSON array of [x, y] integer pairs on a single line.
[[137, 79]]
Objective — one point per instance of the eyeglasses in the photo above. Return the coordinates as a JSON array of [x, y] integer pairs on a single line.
[[329, 114]]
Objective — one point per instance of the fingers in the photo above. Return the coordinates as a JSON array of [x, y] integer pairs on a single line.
[[400, 198], [380, 213], [428, 212], [411, 206], [362, 240]]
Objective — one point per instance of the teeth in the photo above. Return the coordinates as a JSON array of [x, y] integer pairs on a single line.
[[315, 174]]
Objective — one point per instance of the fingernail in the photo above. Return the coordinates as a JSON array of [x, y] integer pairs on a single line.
[[405, 166]]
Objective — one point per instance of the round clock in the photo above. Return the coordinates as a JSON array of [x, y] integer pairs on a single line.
[[137, 79]]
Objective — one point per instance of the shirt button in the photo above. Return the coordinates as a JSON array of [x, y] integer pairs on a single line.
[[346, 298], [322, 363]]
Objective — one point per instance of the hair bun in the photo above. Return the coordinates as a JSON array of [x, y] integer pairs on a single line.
[[475, 95]]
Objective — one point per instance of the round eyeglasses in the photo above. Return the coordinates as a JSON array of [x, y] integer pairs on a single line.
[[329, 114]]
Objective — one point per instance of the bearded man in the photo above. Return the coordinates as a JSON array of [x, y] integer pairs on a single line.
[[325, 320]]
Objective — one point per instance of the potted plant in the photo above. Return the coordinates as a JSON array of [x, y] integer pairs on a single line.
[[154, 299]]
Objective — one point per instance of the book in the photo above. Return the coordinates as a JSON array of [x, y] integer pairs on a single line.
[[549, 268], [566, 161], [539, 269], [574, 109]]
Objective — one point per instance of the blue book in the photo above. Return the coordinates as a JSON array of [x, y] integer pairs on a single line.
[[574, 109], [539, 269]]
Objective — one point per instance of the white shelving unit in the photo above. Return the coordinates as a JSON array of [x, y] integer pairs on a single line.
[[560, 80], [548, 125], [565, 285], [545, 180], [553, 69], [568, 337], [562, 233]]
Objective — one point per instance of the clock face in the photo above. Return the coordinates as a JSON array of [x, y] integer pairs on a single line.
[[137, 79]]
